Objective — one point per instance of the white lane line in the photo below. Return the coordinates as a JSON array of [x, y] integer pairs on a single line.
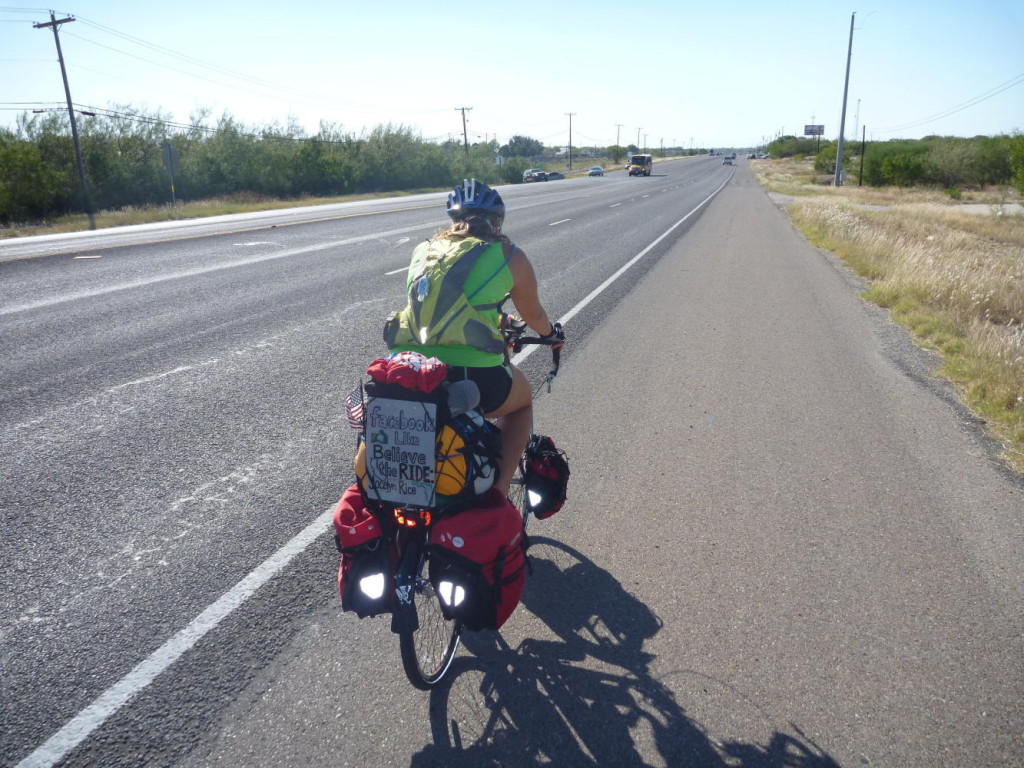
[[54, 749], [255, 259], [165, 374], [619, 272], [614, 205], [396, 271], [556, 223]]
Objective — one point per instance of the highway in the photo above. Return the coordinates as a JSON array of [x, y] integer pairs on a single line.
[[784, 538]]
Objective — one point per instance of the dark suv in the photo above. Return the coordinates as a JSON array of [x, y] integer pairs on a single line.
[[534, 174]]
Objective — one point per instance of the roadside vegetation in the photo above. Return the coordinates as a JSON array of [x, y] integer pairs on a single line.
[[232, 166], [949, 269], [141, 167]]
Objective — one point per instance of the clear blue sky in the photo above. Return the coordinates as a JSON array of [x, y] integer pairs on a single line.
[[725, 73]]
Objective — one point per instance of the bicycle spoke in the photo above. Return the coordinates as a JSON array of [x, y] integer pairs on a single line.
[[428, 652]]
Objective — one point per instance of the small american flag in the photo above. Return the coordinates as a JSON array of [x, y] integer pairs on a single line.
[[354, 407]]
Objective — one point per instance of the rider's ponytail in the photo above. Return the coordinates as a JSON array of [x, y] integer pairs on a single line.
[[483, 227]]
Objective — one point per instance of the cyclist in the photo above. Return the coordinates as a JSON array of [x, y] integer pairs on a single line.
[[457, 282]]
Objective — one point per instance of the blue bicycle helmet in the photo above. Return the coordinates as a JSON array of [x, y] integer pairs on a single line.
[[473, 197]]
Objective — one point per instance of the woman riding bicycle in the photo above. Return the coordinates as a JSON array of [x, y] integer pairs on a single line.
[[457, 282]]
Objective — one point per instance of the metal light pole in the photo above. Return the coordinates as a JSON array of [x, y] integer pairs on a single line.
[[842, 120]]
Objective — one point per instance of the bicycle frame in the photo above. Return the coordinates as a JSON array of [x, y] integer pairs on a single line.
[[411, 554]]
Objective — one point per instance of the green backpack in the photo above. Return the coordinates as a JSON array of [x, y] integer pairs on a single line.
[[439, 311]]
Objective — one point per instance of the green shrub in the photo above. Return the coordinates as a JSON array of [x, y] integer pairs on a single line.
[[825, 161], [876, 155], [1017, 161], [903, 170]]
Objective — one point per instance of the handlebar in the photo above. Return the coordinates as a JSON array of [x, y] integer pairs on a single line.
[[513, 329]]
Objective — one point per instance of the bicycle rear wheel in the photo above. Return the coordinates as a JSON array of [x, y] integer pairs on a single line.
[[428, 650], [517, 495]]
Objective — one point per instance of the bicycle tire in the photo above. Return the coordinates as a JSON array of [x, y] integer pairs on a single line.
[[517, 495], [428, 651]]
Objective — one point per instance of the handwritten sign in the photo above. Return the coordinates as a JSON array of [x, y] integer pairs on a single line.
[[400, 437]]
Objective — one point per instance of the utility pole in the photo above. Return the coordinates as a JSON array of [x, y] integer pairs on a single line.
[[842, 120], [465, 136], [863, 146], [638, 139], [570, 114], [54, 24], [618, 131]]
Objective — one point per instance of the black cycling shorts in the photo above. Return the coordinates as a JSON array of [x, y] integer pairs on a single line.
[[495, 383]]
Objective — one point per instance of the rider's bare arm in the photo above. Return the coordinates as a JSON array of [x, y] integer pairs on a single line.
[[524, 294]]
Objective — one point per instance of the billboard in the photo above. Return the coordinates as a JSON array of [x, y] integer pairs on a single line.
[[814, 130]]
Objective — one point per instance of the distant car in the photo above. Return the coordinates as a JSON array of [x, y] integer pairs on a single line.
[[534, 174], [555, 176], [597, 170], [727, 161]]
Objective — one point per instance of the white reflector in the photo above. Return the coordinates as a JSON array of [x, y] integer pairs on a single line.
[[451, 594], [372, 586], [445, 588]]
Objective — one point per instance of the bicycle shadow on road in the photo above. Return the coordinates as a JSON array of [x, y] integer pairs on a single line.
[[585, 699]]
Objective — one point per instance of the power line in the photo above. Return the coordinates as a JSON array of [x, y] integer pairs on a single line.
[[197, 76], [293, 93], [187, 59], [1016, 80], [287, 93]]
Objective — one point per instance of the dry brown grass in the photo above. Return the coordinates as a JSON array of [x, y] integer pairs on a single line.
[[798, 178], [241, 203], [950, 271]]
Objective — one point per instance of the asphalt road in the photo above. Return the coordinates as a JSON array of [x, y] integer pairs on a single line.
[[786, 543]]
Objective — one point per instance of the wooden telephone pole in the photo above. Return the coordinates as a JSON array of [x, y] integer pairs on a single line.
[[54, 24], [465, 135]]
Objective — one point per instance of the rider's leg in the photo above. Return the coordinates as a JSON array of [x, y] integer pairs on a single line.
[[515, 419]]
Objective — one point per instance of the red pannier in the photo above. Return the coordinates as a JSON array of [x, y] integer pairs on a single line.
[[366, 573], [477, 560], [545, 471]]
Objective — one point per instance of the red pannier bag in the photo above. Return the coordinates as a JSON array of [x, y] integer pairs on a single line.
[[477, 562], [545, 471], [366, 573]]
